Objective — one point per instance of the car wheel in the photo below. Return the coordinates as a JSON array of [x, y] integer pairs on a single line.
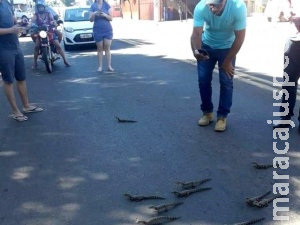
[[67, 47], [24, 17]]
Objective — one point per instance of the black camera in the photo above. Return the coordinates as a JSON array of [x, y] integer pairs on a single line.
[[203, 52]]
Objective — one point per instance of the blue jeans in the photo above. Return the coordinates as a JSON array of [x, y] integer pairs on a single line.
[[292, 69], [205, 71]]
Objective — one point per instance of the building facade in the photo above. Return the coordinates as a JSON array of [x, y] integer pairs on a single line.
[[164, 10]]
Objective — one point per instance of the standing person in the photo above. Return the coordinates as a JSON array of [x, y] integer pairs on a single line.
[[224, 34], [101, 15], [44, 18], [291, 75], [12, 65], [53, 13]]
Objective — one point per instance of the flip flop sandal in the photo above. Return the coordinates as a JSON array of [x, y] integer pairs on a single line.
[[34, 109], [20, 118]]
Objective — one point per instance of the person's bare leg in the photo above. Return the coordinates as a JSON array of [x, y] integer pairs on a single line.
[[36, 53], [9, 92], [22, 90], [59, 35], [61, 52], [107, 44], [100, 54]]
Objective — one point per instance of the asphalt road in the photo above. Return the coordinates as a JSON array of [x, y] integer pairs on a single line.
[[72, 163]]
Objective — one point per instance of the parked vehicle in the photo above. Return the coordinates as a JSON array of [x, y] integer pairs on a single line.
[[47, 49], [77, 29], [279, 10], [21, 14]]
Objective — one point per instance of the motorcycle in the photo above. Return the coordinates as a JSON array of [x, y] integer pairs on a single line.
[[47, 49]]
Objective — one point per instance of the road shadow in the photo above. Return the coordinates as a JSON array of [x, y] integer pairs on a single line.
[[72, 163]]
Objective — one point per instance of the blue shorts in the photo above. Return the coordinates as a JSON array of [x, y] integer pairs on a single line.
[[100, 35], [12, 65]]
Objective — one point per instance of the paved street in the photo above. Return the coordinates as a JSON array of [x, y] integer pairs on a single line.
[[72, 163]]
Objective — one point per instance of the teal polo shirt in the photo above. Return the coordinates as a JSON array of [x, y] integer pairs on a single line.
[[219, 30]]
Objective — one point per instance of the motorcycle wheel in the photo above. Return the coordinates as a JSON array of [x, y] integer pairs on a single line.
[[46, 58]]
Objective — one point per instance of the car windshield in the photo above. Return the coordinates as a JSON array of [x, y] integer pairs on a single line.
[[79, 14]]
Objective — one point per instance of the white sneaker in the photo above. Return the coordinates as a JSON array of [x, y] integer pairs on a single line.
[[99, 69]]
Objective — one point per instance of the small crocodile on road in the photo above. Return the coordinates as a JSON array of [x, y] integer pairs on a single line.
[[192, 184], [125, 121], [165, 207], [157, 220], [186, 193], [265, 202], [261, 166], [250, 201], [138, 198]]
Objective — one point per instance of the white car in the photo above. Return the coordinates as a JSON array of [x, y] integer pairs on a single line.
[[77, 29], [20, 14]]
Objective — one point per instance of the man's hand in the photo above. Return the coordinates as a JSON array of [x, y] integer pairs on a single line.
[[200, 56], [16, 29], [228, 68]]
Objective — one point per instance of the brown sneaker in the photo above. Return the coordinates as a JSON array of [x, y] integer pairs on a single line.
[[206, 119], [220, 125]]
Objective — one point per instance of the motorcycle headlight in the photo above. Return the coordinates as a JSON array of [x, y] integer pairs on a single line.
[[43, 34], [69, 29]]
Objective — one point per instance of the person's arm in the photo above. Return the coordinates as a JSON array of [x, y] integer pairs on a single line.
[[296, 21], [108, 16], [12, 30], [93, 14], [240, 33], [15, 19], [33, 19], [237, 44], [196, 43], [196, 37], [235, 48], [52, 20]]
